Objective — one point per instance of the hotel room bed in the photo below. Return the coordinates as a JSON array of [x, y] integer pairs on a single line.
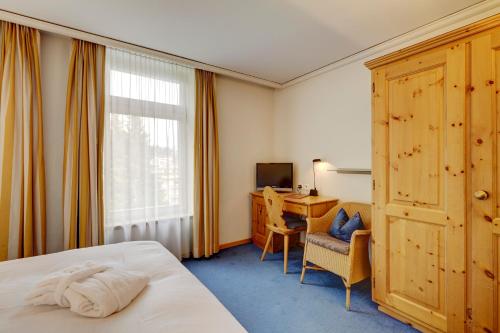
[[174, 301]]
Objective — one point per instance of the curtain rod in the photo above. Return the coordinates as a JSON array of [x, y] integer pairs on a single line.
[[111, 42]]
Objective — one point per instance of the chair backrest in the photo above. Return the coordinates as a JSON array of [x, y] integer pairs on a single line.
[[364, 209], [274, 207]]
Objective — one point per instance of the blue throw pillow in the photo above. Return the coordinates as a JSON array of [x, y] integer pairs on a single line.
[[338, 222], [346, 231]]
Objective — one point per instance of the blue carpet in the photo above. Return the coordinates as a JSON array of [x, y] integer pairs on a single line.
[[263, 299]]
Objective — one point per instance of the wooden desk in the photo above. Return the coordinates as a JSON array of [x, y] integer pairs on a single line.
[[308, 206]]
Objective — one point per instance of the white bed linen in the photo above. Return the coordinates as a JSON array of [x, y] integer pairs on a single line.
[[174, 301]]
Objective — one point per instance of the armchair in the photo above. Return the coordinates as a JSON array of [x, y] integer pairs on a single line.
[[348, 260]]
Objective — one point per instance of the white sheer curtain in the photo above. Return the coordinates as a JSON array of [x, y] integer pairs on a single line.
[[148, 152]]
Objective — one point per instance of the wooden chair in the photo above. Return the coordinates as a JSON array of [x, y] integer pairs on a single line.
[[277, 224], [348, 260]]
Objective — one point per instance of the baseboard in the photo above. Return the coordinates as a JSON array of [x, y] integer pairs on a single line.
[[243, 242], [236, 243]]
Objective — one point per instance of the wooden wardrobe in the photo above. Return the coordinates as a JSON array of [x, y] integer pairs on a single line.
[[436, 180]]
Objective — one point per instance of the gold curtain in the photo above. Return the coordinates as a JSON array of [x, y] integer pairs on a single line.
[[83, 147], [206, 168], [22, 173]]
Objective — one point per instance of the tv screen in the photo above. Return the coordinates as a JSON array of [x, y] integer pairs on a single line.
[[277, 175]]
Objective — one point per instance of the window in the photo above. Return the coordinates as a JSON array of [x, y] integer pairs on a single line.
[[148, 141]]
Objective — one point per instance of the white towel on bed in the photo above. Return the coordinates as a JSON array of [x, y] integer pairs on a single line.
[[91, 289]]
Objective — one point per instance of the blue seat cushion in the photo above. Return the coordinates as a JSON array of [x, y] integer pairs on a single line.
[[294, 221], [338, 222]]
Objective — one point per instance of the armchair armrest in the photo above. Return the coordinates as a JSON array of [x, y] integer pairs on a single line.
[[359, 241], [362, 232], [322, 224], [317, 224], [358, 255]]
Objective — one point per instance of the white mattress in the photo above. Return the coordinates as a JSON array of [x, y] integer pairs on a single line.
[[174, 301]]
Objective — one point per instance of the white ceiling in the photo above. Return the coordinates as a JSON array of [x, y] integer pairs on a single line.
[[276, 40]]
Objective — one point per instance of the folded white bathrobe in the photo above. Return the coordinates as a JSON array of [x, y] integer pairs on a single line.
[[50, 289], [90, 289]]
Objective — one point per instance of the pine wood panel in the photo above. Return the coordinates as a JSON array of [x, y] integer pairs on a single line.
[[380, 125], [409, 258], [457, 85], [416, 115], [495, 90], [485, 59], [419, 189]]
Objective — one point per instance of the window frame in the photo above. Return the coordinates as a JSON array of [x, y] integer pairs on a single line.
[[157, 110]]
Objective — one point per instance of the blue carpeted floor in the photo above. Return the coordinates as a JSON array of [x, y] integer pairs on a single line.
[[263, 299]]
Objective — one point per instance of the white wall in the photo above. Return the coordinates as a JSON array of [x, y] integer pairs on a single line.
[[245, 137], [327, 117], [55, 52]]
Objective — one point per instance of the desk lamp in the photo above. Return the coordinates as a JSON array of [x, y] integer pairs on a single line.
[[314, 192]]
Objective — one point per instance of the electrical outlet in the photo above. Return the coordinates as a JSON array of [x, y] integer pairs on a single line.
[[303, 188]]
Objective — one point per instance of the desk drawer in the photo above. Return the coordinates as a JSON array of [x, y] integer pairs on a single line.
[[295, 208]]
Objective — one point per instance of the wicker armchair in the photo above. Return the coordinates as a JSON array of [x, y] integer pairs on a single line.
[[348, 260]]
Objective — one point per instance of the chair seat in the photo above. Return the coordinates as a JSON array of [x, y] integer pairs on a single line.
[[325, 240], [294, 221]]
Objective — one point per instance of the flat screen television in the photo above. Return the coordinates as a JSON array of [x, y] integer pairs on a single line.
[[277, 175]]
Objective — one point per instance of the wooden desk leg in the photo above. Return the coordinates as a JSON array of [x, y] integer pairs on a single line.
[[285, 264]]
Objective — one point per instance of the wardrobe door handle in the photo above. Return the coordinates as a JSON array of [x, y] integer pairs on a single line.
[[481, 195]]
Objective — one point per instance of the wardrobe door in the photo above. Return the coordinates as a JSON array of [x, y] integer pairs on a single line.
[[419, 188], [485, 183]]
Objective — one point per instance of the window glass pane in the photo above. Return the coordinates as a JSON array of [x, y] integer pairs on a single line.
[[143, 88], [145, 168]]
